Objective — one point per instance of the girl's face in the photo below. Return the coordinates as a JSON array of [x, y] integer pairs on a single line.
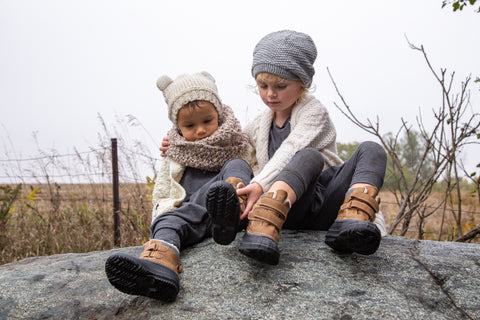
[[197, 122], [279, 94]]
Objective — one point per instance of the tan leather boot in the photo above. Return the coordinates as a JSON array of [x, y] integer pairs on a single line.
[[264, 224], [154, 274], [154, 250], [354, 230], [360, 205], [238, 184]]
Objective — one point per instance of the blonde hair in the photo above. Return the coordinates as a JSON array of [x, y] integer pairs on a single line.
[[270, 77]]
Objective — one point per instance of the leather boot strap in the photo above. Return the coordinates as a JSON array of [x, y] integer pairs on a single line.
[[359, 200], [268, 214], [156, 251], [269, 210]]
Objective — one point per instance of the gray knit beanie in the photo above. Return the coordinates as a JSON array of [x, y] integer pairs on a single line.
[[187, 88], [288, 54]]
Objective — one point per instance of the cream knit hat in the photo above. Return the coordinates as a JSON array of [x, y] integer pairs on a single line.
[[187, 88]]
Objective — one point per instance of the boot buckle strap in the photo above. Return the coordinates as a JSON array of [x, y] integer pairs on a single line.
[[359, 205], [274, 197], [269, 204], [365, 198], [159, 253], [268, 216]]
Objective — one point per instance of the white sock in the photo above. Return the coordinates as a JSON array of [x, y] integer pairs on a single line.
[[171, 246]]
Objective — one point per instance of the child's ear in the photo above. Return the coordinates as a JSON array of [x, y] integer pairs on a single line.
[[163, 82], [208, 75]]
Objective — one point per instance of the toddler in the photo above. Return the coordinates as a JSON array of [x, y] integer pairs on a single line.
[[206, 144]]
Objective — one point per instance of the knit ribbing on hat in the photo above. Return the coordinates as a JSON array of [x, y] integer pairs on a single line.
[[211, 153], [288, 54], [187, 88], [192, 95]]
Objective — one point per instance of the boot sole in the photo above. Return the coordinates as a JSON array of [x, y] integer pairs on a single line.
[[350, 236], [261, 248], [224, 209], [142, 277]]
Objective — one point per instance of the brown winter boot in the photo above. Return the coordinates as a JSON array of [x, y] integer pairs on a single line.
[[238, 184], [154, 274], [224, 207], [264, 224], [156, 251], [354, 230]]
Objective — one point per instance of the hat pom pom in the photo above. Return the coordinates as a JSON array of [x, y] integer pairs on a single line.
[[208, 76], [163, 82]]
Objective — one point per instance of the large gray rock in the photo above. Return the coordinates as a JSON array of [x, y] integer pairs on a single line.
[[404, 279]]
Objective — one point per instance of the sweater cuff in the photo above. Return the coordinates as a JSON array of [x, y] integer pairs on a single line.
[[265, 186]]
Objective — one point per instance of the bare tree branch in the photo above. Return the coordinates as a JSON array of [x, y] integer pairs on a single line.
[[415, 172], [469, 235]]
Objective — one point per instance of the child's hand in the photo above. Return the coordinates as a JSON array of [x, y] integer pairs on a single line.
[[253, 192], [165, 145]]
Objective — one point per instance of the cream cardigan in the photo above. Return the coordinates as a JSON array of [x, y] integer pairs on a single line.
[[310, 126], [168, 193]]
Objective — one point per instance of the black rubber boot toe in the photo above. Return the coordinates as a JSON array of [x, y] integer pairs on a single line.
[[224, 209], [261, 248], [351, 235], [142, 277]]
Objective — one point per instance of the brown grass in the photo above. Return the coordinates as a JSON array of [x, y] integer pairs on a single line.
[[470, 217], [65, 202], [73, 218]]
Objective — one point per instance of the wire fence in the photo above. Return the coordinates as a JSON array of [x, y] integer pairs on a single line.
[[91, 166], [115, 180], [136, 167]]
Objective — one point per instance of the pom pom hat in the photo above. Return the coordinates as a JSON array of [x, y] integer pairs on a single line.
[[187, 88], [288, 54]]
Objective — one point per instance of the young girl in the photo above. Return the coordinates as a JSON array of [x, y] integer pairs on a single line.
[[204, 137], [301, 183]]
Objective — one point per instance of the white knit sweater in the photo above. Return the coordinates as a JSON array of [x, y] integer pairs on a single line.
[[310, 126], [168, 193]]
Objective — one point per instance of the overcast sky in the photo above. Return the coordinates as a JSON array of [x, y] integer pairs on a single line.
[[64, 62]]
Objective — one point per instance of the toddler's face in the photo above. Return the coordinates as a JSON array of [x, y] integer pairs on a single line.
[[197, 122]]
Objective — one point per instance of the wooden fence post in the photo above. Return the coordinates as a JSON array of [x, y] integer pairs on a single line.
[[116, 197]]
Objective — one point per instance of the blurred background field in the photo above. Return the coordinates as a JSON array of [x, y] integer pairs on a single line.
[[56, 203], [50, 219], [42, 217]]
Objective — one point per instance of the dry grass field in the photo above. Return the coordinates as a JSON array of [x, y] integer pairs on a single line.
[[47, 219], [50, 219], [470, 217]]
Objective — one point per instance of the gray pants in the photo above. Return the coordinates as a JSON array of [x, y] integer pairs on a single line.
[[319, 193], [190, 223]]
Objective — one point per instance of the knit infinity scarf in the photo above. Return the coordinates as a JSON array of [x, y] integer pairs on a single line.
[[211, 153]]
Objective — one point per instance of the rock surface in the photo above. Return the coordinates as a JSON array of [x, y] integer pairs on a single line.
[[404, 279]]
